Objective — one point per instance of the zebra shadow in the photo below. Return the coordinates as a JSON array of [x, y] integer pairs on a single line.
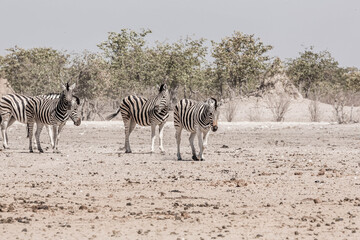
[[28, 152], [188, 160], [123, 154]]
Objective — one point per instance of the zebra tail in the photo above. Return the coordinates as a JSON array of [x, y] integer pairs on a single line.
[[108, 118], [27, 131]]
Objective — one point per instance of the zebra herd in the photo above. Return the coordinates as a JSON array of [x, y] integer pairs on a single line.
[[53, 110]]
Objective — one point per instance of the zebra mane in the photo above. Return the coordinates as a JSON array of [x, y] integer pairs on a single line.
[[59, 94], [52, 93]]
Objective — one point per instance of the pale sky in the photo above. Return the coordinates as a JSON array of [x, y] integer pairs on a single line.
[[288, 25]]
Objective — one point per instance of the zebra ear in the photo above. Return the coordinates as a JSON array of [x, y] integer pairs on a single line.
[[216, 103], [212, 101], [77, 100], [72, 86]]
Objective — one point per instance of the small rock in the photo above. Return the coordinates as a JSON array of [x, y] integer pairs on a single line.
[[83, 207]]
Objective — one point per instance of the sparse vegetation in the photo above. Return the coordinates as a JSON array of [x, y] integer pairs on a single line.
[[239, 66], [279, 105], [314, 110], [254, 114], [230, 110], [342, 113]]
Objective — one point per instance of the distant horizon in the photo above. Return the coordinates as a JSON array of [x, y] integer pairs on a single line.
[[289, 26]]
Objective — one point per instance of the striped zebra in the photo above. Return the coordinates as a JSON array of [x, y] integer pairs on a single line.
[[138, 110], [44, 111], [197, 118], [12, 108], [74, 116]]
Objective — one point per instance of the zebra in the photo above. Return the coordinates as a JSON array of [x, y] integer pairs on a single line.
[[12, 108], [197, 118], [138, 110], [74, 116], [48, 112]]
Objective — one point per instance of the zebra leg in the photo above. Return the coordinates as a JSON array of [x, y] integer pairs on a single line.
[[191, 140], [161, 135], [39, 127], [59, 131], [4, 125], [51, 135], [11, 121], [201, 146], [205, 139], [31, 133], [55, 134], [153, 137], [129, 127], [27, 129], [178, 140]]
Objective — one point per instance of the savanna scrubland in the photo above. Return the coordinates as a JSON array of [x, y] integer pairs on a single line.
[[283, 164]]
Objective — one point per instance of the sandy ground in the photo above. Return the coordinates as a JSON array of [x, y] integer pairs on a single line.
[[259, 180]]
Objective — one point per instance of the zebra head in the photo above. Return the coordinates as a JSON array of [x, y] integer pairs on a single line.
[[162, 99], [213, 113], [74, 115], [66, 95]]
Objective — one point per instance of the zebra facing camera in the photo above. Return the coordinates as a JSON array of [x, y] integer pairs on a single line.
[[214, 128]]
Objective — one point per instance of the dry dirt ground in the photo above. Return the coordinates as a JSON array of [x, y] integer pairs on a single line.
[[259, 180]]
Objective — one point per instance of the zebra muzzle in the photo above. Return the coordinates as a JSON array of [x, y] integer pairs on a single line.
[[214, 128], [78, 122]]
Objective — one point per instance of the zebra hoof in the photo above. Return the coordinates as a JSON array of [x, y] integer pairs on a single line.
[[195, 158], [31, 151], [179, 159], [41, 151], [202, 159], [128, 151]]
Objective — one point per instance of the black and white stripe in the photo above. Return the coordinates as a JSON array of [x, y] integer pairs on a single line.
[[138, 110], [48, 112], [12, 108], [197, 118], [74, 116]]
